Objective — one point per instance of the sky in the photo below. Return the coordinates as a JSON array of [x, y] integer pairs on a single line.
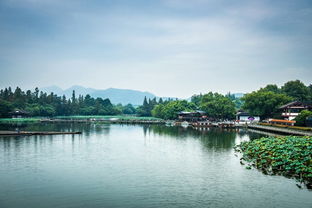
[[171, 48]]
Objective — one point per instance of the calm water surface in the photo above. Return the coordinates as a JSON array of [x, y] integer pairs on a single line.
[[136, 166]]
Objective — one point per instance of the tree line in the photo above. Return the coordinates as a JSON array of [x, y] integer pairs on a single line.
[[264, 102], [216, 106], [38, 103]]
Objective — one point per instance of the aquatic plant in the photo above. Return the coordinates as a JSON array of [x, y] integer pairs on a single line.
[[121, 117], [290, 156], [19, 120]]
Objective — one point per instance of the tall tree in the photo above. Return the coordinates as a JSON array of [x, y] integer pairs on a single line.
[[271, 88], [297, 90], [217, 106], [264, 103], [160, 101], [170, 109]]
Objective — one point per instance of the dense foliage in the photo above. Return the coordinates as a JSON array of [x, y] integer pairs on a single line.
[[216, 106], [297, 90], [266, 101], [147, 107], [288, 156], [170, 109], [236, 100], [302, 117], [42, 104]]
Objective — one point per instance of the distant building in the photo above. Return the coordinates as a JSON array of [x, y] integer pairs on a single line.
[[291, 110], [192, 116], [243, 117], [19, 114]]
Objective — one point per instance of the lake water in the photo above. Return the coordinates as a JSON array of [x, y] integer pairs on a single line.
[[136, 166]]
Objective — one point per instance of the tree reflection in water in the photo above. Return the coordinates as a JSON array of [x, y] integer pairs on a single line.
[[215, 138]]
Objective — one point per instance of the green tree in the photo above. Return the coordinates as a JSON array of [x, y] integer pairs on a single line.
[[160, 101], [271, 88], [237, 101], [217, 106], [301, 118], [170, 110], [264, 103], [19, 98], [5, 108], [42, 104], [196, 99], [297, 90], [128, 109], [158, 111], [147, 107]]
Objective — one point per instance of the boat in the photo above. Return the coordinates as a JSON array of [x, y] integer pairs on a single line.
[[170, 123], [185, 124]]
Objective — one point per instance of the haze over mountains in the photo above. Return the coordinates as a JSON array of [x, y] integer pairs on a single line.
[[123, 96], [116, 96]]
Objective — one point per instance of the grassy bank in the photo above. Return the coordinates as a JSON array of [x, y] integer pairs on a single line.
[[19, 120], [97, 117], [121, 117], [289, 156]]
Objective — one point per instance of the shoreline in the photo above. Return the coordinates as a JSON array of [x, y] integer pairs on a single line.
[[133, 120], [285, 131], [31, 133]]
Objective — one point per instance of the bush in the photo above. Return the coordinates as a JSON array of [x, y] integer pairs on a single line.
[[302, 117], [288, 156]]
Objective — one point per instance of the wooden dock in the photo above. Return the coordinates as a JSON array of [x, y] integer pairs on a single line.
[[31, 133], [215, 124]]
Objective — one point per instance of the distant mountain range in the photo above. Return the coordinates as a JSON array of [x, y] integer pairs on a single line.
[[123, 96], [116, 96]]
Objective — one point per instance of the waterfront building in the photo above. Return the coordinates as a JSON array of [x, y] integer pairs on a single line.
[[192, 116], [245, 117], [19, 114], [291, 110]]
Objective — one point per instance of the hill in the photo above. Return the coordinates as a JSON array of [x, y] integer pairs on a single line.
[[123, 96]]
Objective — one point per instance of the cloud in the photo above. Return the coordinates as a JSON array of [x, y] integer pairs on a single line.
[[175, 48]]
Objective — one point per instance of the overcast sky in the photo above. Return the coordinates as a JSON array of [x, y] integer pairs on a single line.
[[167, 47]]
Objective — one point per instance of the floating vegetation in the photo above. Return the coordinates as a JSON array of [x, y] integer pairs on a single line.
[[121, 117], [289, 156], [19, 120]]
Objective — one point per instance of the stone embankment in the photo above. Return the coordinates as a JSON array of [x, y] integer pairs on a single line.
[[280, 130]]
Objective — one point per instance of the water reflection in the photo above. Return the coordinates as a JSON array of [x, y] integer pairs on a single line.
[[213, 138], [17, 144], [112, 166], [86, 128]]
